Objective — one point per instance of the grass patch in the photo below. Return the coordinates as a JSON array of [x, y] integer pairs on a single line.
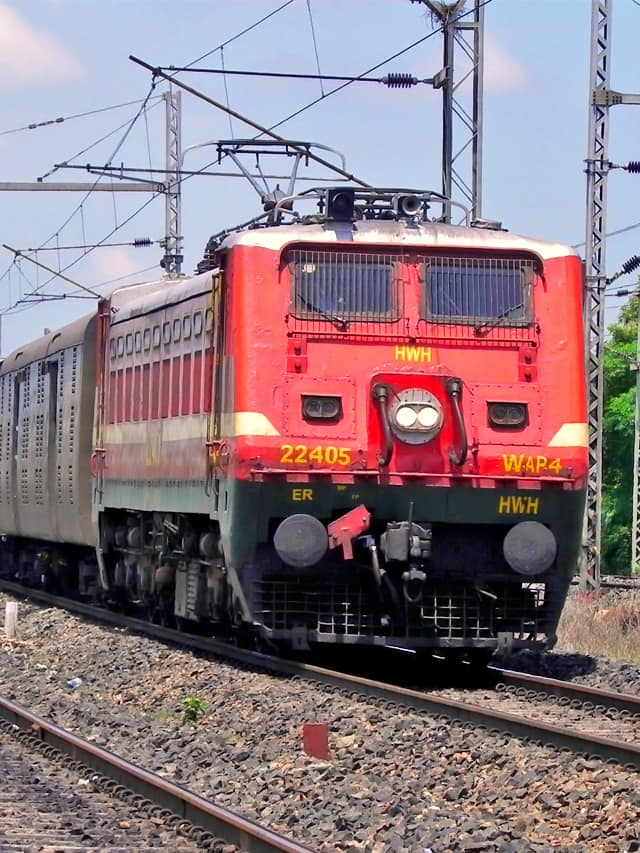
[[601, 627]]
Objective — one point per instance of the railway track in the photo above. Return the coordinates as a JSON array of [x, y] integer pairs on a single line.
[[579, 731], [38, 763], [47, 805]]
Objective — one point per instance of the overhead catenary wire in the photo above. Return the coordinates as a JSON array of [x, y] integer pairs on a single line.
[[315, 44], [431, 34], [393, 80], [140, 243], [61, 119], [157, 72], [96, 142], [18, 253], [615, 233], [375, 67], [88, 251], [297, 112], [55, 235], [242, 32], [128, 124]]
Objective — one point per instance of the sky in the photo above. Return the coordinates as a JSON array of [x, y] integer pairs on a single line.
[[70, 59]]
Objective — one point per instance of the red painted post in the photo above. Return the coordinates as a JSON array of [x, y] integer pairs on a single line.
[[315, 740]]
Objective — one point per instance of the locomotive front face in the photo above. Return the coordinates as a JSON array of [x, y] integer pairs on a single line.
[[416, 468]]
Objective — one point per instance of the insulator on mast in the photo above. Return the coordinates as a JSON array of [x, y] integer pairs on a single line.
[[399, 80], [632, 264]]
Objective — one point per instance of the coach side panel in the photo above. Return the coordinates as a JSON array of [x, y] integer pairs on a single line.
[[157, 415], [46, 422]]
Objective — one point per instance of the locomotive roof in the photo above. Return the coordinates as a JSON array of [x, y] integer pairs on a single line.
[[407, 233], [48, 344]]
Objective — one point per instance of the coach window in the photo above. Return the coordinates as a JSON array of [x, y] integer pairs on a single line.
[[197, 323], [112, 348], [166, 333], [146, 340], [129, 343], [208, 319], [138, 341], [156, 336], [120, 347], [177, 328], [186, 327]]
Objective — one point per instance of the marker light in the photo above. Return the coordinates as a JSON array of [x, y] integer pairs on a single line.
[[507, 415], [321, 408]]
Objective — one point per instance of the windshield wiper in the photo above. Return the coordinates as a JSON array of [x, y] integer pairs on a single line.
[[338, 322], [496, 321]]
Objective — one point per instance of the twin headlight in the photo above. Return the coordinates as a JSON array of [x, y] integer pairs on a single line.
[[415, 416]]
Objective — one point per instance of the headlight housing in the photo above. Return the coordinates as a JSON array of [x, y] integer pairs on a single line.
[[416, 416]]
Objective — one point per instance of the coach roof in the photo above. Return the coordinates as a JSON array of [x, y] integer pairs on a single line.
[[407, 233], [134, 300], [50, 343]]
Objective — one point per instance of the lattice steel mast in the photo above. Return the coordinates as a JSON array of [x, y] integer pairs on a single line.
[[598, 168], [595, 253], [461, 122], [172, 260], [635, 528]]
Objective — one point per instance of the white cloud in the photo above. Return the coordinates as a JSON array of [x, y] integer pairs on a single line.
[[119, 266], [503, 72], [29, 56]]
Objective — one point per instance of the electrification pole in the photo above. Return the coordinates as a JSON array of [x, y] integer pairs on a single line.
[[595, 252], [598, 168], [461, 121], [635, 529], [172, 261]]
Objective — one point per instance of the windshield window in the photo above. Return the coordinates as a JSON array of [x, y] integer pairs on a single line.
[[472, 289], [342, 286]]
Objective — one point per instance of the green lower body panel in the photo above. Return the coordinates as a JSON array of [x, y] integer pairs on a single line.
[[183, 496], [464, 594]]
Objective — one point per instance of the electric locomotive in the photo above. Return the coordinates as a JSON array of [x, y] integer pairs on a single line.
[[360, 427]]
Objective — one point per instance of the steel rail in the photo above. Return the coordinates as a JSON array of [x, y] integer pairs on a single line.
[[182, 802], [568, 690], [536, 731]]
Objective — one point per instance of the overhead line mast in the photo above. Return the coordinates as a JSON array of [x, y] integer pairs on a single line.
[[598, 167], [461, 124]]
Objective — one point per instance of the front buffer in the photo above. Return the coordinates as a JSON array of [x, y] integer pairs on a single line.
[[435, 568]]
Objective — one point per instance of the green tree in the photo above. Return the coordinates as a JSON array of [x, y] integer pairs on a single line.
[[618, 439]]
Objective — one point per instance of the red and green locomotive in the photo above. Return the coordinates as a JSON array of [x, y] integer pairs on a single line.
[[362, 427]]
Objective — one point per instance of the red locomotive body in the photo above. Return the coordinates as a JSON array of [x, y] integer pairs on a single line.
[[362, 427]]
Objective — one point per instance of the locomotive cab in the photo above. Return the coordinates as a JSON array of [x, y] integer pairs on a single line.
[[405, 463]]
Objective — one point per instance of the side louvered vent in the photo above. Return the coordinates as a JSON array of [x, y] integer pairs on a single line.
[[39, 486], [24, 437], [74, 369], [40, 449], [71, 428]]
